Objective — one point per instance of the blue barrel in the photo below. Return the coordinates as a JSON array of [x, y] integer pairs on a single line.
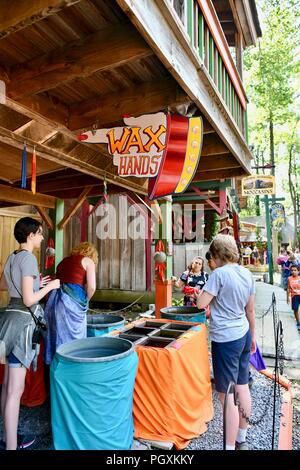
[[92, 382], [103, 323], [188, 314]]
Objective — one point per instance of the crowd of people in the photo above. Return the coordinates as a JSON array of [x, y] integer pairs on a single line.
[[228, 291]]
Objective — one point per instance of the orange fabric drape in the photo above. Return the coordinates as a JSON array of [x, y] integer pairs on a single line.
[[172, 394]]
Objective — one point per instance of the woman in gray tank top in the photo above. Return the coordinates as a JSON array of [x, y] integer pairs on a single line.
[[17, 323]]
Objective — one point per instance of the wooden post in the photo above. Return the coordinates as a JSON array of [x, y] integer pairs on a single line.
[[163, 289]]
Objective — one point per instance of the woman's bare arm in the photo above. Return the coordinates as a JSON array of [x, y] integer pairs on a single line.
[[3, 285]]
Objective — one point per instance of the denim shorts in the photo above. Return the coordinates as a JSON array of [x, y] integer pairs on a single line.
[[13, 361], [231, 362], [295, 302]]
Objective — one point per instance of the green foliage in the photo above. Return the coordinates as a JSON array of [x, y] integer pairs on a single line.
[[177, 302], [259, 240]]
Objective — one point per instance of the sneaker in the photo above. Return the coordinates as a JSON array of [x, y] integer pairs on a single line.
[[298, 326], [241, 446], [25, 440], [250, 382]]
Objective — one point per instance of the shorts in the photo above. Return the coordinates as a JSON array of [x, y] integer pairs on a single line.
[[13, 361], [295, 302], [231, 362]]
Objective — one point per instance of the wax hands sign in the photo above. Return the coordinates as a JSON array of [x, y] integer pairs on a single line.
[[162, 147]]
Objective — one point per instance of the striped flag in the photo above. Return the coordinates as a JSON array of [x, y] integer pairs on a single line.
[[33, 172], [23, 173]]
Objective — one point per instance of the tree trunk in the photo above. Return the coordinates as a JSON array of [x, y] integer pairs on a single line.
[[294, 195]]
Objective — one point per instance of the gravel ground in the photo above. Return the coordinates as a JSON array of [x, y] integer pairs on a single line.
[[259, 437], [37, 420]]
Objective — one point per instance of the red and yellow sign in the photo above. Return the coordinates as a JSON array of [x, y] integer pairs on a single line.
[[164, 148]]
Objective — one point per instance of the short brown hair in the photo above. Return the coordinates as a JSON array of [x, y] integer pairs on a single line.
[[224, 247], [86, 249]]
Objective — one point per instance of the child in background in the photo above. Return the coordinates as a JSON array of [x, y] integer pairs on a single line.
[[293, 292]]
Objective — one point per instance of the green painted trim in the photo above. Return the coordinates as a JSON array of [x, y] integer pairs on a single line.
[[213, 184], [190, 20], [245, 113], [226, 88], [220, 80], [166, 234], [201, 34], [211, 59], [269, 239], [189, 198], [59, 234], [232, 100]]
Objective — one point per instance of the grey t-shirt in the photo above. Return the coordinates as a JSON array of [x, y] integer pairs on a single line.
[[231, 285], [23, 264]]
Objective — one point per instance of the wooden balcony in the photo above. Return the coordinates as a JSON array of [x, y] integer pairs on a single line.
[[206, 36]]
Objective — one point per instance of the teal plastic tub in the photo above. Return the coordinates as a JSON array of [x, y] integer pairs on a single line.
[[92, 382], [187, 314], [102, 323]]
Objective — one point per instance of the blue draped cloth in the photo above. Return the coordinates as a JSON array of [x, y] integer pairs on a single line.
[[65, 313]]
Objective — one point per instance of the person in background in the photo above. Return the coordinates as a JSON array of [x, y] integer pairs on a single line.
[[297, 255], [283, 257], [191, 281], [286, 263], [210, 262], [293, 292], [248, 253], [66, 308], [230, 293], [256, 256], [21, 279]]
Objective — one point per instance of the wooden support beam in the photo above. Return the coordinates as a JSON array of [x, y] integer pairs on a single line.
[[71, 211], [23, 197], [66, 160], [16, 15], [100, 51], [56, 182], [48, 221], [213, 145], [209, 201], [217, 162], [146, 98], [219, 174]]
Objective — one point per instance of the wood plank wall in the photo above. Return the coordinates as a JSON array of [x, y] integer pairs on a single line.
[[8, 219], [121, 259]]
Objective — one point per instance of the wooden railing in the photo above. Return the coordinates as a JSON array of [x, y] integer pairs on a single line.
[[208, 40]]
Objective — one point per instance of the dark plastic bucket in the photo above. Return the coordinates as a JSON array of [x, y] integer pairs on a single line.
[[102, 323], [188, 314], [92, 383]]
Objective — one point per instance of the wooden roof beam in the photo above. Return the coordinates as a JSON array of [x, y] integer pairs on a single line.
[[100, 51], [45, 216], [217, 162], [219, 174], [23, 197], [73, 208], [213, 145], [16, 15], [146, 98], [70, 161]]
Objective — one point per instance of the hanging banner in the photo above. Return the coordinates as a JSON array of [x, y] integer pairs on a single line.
[[162, 147], [277, 214], [258, 184]]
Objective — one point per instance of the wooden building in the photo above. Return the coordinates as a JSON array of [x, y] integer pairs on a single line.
[[67, 66]]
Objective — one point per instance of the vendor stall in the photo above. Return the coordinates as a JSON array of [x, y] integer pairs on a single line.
[[172, 394]]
